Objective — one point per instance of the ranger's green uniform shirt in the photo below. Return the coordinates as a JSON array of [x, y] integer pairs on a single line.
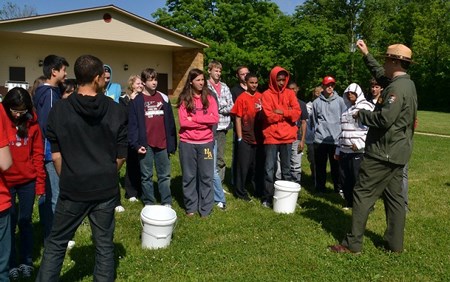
[[391, 124]]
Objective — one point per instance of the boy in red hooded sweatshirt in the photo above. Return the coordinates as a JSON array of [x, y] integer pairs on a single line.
[[281, 111]]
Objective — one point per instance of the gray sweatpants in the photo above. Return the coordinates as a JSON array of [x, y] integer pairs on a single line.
[[197, 168]]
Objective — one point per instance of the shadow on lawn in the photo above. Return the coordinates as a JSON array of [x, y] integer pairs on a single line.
[[176, 186], [307, 183], [84, 261], [335, 221]]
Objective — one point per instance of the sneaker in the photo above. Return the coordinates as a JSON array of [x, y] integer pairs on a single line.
[[14, 274], [346, 208], [133, 199], [168, 205], [26, 270], [221, 205], [266, 204], [120, 209], [70, 245]]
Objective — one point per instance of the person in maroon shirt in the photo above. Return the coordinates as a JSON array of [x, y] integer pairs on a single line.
[[152, 134]]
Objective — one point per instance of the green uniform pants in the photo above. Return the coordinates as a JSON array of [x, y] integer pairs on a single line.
[[378, 178]]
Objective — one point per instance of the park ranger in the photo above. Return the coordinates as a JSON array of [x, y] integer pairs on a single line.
[[388, 149]]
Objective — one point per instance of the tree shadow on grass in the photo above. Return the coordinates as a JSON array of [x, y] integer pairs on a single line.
[[84, 261], [307, 183], [335, 221], [176, 186]]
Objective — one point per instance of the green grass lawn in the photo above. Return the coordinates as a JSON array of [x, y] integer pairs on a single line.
[[432, 122], [250, 243]]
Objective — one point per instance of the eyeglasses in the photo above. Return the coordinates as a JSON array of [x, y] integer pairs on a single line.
[[17, 112], [330, 85]]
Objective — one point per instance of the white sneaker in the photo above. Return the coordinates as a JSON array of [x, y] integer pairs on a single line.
[[70, 245], [168, 205], [221, 205], [120, 209], [133, 199]]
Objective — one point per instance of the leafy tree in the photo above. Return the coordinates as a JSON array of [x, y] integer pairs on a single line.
[[432, 53], [318, 39], [238, 32], [11, 11]]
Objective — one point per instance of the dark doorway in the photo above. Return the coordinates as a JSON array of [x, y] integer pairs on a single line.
[[163, 83]]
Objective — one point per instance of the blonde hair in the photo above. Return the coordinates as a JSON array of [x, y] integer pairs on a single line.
[[131, 81]]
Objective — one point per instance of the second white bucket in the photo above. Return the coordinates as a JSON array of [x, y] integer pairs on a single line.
[[157, 223], [285, 196]]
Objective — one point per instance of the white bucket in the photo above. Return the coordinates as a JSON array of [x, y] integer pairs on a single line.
[[157, 223], [285, 197]]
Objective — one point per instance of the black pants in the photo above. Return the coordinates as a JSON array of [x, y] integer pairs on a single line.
[[322, 152], [349, 165], [250, 162], [132, 175], [68, 217]]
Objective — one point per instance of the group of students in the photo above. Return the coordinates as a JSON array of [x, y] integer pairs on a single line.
[[271, 130]]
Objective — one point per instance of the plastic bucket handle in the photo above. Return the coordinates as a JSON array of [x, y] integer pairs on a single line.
[[279, 198], [157, 236]]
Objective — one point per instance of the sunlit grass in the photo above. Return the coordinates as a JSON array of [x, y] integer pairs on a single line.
[[249, 243]]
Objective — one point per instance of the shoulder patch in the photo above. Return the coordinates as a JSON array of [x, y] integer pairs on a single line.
[[392, 98]]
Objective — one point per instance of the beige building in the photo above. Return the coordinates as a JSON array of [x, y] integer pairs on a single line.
[[126, 42]]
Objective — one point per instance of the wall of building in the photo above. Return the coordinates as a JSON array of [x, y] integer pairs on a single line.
[[26, 52], [183, 61]]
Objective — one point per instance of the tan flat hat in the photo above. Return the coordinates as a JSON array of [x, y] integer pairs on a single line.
[[399, 52]]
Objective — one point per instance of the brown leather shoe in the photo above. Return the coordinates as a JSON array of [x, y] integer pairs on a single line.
[[342, 249]]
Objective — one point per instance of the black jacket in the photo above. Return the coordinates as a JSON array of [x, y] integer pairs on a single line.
[[90, 133]]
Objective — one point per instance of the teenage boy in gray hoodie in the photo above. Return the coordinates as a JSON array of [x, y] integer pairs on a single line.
[[327, 110]]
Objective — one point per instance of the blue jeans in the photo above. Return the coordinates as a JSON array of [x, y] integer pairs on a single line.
[[272, 151], [5, 244], [47, 212], [162, 164], [21, 214], [219, 196], [296, 163], [68, 217]]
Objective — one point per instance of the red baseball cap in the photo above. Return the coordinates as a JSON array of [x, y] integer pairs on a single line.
[[327, 80]]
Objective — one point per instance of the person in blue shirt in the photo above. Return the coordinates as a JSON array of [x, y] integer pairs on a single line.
[[112, 90]]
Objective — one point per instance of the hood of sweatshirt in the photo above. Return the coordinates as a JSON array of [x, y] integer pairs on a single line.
[[330, 98], [361, 102], [105, 66], [90, 107], [273, 86], [42, 89], [355, 88]]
